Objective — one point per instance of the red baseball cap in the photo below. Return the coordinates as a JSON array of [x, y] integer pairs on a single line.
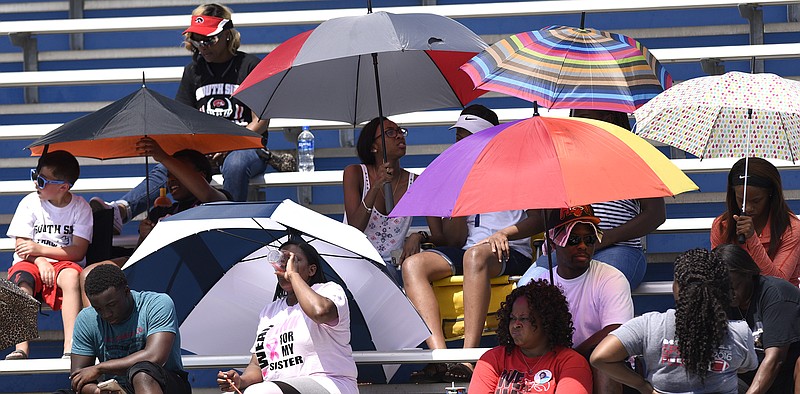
[[207, 25]]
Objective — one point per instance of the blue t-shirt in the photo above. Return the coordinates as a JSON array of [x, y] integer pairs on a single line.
[[152, 313]]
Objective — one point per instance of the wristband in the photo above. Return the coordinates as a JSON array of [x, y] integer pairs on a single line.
[[425, 236]]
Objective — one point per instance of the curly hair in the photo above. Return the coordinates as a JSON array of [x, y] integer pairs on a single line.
[[550, 307], [312, 257], [104, 277], [701, 321], [779, 212]]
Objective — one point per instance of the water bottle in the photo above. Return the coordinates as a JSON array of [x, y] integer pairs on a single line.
[[305, 151]]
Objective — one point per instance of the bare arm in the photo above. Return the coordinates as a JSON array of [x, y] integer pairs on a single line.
[[84, 373], [356, 210], [258, 125], [80, 383], [774, 357], [29, 250], [192, 179], [252, 375], [609, 357], [586, 347], [320, 309], [653, 213], [527, 227]]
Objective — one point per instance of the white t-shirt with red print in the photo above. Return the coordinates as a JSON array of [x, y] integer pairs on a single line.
[[50, 225]]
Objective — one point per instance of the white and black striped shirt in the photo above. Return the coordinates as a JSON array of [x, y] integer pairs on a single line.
[[616, 213]]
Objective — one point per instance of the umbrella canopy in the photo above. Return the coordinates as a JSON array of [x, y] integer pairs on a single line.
[[730, 115], [568, 67], [18, 315], [541, 162], [211, 261], [327, 73], [112, 131]]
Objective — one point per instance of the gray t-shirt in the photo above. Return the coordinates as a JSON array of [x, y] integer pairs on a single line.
[[652, 335]]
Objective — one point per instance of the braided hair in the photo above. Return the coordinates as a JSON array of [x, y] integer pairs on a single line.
[[548, 304], [701, 321]]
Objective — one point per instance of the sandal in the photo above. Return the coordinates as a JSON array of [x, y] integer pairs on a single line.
[[17, 355], [432, 373], [458, 372]]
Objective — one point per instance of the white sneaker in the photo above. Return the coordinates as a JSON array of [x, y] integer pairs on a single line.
[[98, 204]]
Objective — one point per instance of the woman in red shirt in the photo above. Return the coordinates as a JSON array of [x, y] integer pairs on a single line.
[[535, 355], [766, 213]]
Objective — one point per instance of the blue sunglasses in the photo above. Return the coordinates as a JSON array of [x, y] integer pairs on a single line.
[[41, 182]]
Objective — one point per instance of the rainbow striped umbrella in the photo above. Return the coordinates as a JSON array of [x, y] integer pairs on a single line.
[[568, 67], [541, 162]]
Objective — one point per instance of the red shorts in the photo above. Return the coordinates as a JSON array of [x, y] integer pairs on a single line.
[[51, 295]]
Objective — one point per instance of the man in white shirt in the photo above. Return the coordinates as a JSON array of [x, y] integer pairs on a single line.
[[599, 295]]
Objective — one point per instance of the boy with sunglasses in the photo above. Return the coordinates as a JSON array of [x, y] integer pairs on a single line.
[[52, 228], [599, 296]]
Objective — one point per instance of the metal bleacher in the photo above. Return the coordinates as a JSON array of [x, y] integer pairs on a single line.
[[63, 60]]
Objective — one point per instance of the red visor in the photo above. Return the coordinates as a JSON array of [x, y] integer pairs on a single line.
[[207, 25]]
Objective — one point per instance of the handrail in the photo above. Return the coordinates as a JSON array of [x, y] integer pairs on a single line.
[[310, 17], [173, 74]]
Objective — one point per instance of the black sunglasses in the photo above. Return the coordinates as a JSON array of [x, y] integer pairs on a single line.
[[41, 182], [392, 133], [206, 42], [575, 240]]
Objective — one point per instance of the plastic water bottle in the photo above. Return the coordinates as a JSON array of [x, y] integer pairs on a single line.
[[305, 151]]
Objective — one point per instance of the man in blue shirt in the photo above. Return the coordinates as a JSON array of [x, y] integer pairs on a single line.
[[133, 334]]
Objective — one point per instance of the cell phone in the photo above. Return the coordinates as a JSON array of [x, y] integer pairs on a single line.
[[110, 385]]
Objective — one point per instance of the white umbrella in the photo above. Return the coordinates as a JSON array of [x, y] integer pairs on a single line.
[[211, 260]]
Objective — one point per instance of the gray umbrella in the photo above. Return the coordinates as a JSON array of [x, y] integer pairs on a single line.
[[337, 71], [18, 315]]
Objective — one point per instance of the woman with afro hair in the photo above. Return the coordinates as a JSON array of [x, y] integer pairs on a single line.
[[691, 349], [535, 355]]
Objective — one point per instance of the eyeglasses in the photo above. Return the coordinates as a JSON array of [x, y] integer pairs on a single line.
[[512, 319], [393, 133], [207, 42], [575, 240], [41, 182]]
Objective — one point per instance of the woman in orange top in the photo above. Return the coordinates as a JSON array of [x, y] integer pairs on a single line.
[[766, 213]]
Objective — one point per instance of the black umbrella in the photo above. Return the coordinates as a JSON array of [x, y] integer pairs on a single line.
[[18, 315], [112, 131]]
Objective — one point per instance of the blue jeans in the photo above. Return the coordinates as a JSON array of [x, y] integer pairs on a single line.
[[630, 261], [137, 197], [238, 168]]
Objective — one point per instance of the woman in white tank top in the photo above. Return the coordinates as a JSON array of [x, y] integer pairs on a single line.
[[364, 200]]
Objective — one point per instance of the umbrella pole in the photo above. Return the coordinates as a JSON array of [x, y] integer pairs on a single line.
[[147, 180], [547, 247], [741, 238], [387, 187]]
